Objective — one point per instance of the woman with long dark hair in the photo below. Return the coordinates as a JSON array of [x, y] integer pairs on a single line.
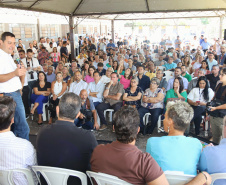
[[198, 98], [203, 66], [177, 92], [41, 92]]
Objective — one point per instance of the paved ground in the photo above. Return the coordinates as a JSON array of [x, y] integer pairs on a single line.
[[102, 136]]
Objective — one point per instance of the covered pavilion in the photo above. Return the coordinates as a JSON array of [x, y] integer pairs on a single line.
[[122, 10]]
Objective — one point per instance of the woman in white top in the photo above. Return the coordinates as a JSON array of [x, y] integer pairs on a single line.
[[58, 88], [198, 98]]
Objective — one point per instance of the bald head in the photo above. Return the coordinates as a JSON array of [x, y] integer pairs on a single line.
[[83, 95]]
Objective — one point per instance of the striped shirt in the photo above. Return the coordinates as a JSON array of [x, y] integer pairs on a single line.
[[16, 153]]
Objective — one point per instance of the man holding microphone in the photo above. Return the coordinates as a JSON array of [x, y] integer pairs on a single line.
[[11, 82]]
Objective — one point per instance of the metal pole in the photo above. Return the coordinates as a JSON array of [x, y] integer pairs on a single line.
[[221, 26], [100, 28], [38, 30], [71, 28], [113, 30]]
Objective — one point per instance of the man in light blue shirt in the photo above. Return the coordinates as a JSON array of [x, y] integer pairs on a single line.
[[170, 65], [96, 89], [110, 45], [211, 61], [213, 158], [177, 73], [205, 45]]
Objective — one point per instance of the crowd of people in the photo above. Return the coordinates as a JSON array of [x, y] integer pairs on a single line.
[[130, 79]]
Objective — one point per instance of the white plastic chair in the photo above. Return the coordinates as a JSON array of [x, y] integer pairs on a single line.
[[103, 179], [6, 176], [217, 176], [168, 75], [67, 64], [161, 67], [110, 112], [146, 119], [178, 178], [44, 118], [58, 176]]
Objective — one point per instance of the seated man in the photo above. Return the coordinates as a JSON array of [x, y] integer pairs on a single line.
[[138, 167], [185, 74], [78, 84], [151, 70], [88, 115], [100, 68], [177, 73], [15, 152], [64, 145], [50, 75], [213, 158], [170, 65], [96, 89], [214, 77], [160, 62], [144, 81], [112, 98]]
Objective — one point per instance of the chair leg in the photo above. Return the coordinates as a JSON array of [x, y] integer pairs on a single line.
[[159, 124], [32, 117], [44, 113], [110, 116]]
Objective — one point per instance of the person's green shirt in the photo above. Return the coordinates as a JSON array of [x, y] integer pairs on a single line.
[[189, 78], [172, 94]]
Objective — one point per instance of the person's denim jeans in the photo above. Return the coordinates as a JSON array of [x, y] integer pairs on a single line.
[[40, 99], [87, 125], [155, 113], [20, 127]]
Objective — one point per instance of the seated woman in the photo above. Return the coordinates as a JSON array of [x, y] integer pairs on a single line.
[[203, 66], [176, 152], [125, 79], [152, 102], [66, 75], [198, 98], [177, 92], [40, 96], [58, 88], [89, 78], [187, 62], [60, 67], [133, 94], [85, 69]]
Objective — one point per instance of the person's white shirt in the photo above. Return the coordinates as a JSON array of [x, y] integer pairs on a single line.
[[7, 65], [104, 79], [16, 153], [50, 50], [99, 88], [196, 94], [76, 87], [54, 44], [196, 65], [34, 51], [80, 60], [33, 64], [169, 42], [69, 48], [58, 49]]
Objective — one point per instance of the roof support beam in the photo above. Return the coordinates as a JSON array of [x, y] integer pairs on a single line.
[[71, 29], [81, 1], [147, 5], [34, 4]]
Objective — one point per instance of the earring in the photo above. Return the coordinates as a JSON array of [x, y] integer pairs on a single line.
[[168, 129]]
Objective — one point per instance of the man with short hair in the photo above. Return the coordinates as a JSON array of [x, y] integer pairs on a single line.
[[62, 144], [176, 60], [100, 68], [177, 42], [20, 42], [88, 115], [213, 77], [15, 152], [112, 98], [170, 65], [43, 55], [205, 45], [222, 57], [22, 54], [64, 50], [185, 74], [73, 68], [177, 73], [110, 45], [33, 49], [12, 77], [50, 74], [78, 84], [160, 62], [211, 61], [151, 70], [144, 81], [91, 46], [123, 156]]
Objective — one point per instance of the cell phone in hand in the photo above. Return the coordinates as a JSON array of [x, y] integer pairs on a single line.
[[198, 102], [18, 61]]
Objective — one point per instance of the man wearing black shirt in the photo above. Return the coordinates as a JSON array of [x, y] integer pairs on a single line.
[[119, 43], [144, 81], [91, 46], [63, 50], [64, 145], [213, 77]]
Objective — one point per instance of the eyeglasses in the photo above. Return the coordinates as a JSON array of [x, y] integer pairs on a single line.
[[154, 83]]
